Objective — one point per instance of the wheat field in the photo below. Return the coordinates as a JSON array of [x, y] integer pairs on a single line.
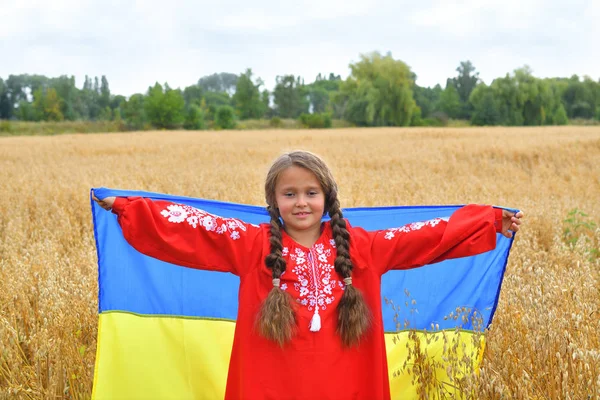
[[544, 342]]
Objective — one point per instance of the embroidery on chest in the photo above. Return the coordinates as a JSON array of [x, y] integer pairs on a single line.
[[316, 276]]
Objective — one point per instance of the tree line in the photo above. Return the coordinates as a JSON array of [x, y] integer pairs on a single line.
[[380, 91]]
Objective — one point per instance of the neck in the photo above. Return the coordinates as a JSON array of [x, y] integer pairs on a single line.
[[306, 238]]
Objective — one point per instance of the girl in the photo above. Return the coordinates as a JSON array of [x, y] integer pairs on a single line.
[[309, 322]]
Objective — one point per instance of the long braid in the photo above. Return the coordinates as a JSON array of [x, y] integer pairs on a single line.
[[354, 316], [277, 318]]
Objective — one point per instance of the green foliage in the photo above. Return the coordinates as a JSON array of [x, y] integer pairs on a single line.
[[427, 99], [47, 105], [194, 118], [5, 126], [379, 92], [560, 116], [165, 108], [290, 97], [449, 102], [59, 127], [319, 99], [213, 100], [134, 112], [416, 119], [106, 114], [247, 97], [221, 82], [316, 121], [485, 109], [275, 122], [192, 95], [225, 118], [465, 83]]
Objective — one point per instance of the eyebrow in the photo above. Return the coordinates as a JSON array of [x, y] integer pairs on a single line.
[[295, 188]]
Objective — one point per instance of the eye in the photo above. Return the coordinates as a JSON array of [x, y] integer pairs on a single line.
[[288, 194], [313, 193]]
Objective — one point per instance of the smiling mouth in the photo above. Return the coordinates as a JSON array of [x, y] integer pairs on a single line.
[[302, 213]]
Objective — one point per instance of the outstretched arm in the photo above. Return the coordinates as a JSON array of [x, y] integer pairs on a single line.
[[186, 236], [469, 231]]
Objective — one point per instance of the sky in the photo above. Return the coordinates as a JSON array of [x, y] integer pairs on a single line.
[[138, 43]]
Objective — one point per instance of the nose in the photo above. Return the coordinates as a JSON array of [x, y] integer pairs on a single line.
[[300, 200]]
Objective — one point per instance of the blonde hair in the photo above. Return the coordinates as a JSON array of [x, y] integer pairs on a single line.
[[277, 318]]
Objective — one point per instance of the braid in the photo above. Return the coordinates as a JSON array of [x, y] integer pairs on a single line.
[[277, 318], [354, 316], [275, 260]]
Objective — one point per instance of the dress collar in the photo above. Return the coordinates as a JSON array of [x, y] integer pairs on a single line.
[[325, 237]]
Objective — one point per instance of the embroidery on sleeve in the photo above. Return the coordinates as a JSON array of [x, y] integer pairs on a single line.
[[177, 213], [415, 226]]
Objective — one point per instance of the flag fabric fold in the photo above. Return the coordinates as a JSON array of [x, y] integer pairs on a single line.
[[166, 331]]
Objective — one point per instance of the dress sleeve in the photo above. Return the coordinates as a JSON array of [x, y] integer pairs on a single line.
[[469, 231], [187, 236]]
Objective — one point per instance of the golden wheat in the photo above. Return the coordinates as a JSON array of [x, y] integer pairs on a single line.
[[544, 342]]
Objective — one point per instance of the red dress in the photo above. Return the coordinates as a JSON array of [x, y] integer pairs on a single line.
[[314, 365]]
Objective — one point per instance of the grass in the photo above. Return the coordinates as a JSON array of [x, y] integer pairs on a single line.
[[544, 342]]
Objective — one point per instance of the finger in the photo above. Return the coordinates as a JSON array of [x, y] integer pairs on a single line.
[[507, 234], [514, 227], [516, 221]]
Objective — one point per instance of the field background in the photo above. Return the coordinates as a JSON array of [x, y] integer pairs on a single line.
[[544, 342]]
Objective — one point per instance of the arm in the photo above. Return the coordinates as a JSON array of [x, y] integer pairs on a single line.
[[187, 236], [469, 231]]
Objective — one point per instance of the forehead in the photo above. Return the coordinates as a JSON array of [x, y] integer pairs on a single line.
[[295, 176]]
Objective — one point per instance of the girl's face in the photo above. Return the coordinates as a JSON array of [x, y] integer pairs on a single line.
[[300, 200]]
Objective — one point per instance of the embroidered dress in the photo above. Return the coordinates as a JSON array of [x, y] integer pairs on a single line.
[[314, 365]]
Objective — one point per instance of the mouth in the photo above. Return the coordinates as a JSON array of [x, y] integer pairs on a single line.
[[302, 214]]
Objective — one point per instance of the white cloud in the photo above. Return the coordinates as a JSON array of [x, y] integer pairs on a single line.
[[137, 43]]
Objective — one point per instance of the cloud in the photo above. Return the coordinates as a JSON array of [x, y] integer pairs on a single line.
[[137, 43]]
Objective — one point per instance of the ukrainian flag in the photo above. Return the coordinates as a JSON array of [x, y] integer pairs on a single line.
[[166, 332]]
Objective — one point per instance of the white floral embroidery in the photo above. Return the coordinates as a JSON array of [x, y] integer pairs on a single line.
[[177, 213], [415, 226], [314, 271]]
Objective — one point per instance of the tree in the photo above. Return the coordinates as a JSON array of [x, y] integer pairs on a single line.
[[104, 94], [221, 82], [192, 95], [247, 97], [134, 112], [290, 96], [427, 99], [46, 105], [214, 100], [379, 92], [560, 116], [319, 99], [225, 117], [485, 108], [194, 118], [6, 106], [165, 108], [67, 92], [449, 101], [464, 83]]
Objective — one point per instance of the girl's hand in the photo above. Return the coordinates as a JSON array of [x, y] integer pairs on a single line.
[[105, 203], [511, 222]]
